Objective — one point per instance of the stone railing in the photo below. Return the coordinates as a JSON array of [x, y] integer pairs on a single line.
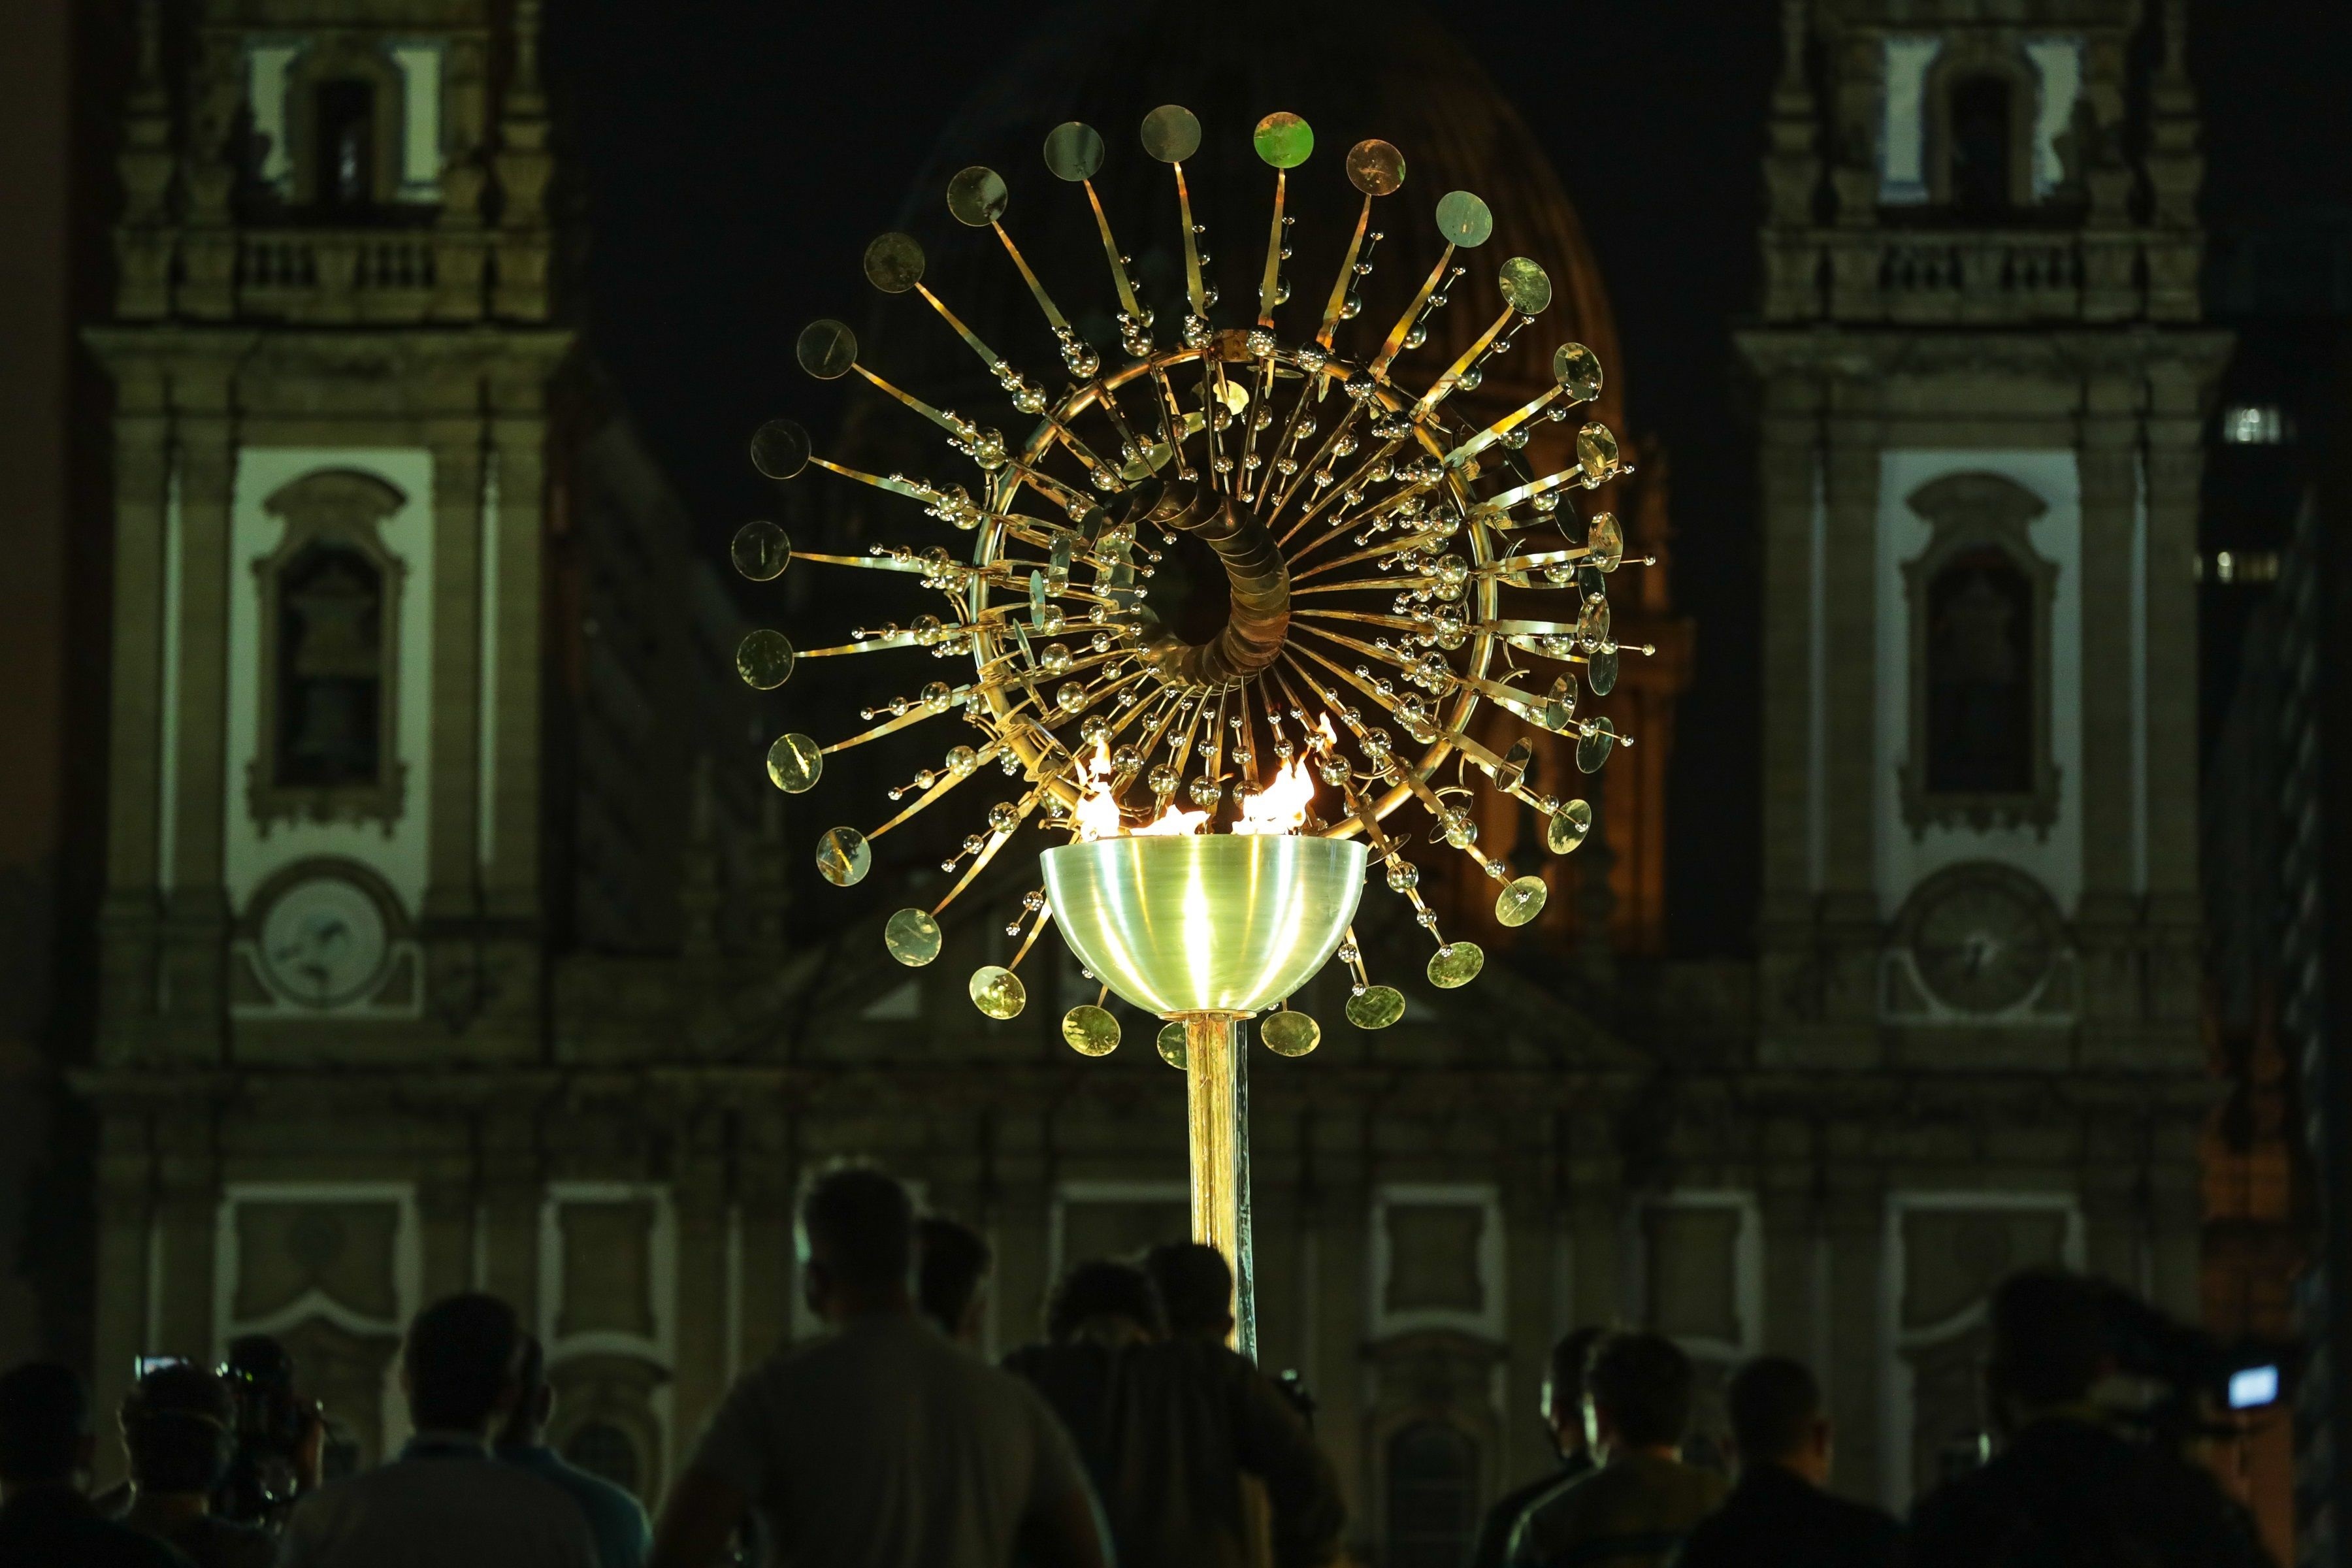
[[1981, 278], [355, 276]]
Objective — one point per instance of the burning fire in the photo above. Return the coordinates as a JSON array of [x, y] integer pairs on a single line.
[[1280, 807]]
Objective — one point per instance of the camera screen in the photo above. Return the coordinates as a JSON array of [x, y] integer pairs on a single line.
[[2253, 1387], [141, 1365]]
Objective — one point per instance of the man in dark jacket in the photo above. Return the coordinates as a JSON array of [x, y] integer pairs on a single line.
[[1779, 1516], [45, 1447], [1634, 1509], [1169, 1426], [1563, 1415], [2067, 1490]]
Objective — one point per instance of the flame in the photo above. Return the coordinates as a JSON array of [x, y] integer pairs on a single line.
[[1281, 806], [1097, 813], [1173, 823]]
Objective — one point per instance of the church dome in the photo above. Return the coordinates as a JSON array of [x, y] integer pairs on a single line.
[[1353, 69]]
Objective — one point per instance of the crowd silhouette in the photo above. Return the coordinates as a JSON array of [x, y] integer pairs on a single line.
[[1131, 1435]]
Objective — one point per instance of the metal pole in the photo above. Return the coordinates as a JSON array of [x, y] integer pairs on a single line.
[[1214, 1117]]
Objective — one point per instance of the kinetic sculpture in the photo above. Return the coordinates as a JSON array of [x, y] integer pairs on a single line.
[[1221, 784]]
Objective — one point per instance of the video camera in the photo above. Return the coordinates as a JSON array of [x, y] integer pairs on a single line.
[[2195, 1373], [271, 1427]]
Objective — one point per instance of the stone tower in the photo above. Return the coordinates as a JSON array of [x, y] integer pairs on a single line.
[[1982, 378], [332, 354]]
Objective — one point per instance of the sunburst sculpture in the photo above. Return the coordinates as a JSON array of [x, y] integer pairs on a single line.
[[1382, 558]]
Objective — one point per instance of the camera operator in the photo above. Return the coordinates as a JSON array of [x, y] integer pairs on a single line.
[[177, 1432], [279, 1437], [2068, 1488]]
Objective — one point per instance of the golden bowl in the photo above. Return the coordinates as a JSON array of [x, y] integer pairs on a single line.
[[1211, 924]]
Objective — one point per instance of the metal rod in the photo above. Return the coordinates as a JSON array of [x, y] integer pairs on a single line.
[[1213, 1114]]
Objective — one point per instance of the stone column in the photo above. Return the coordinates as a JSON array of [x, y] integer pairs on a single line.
[[128, 918], [1852, 1384], [2175, 475], [518, 434], [196, 912], [2109, 789], [457, 667]]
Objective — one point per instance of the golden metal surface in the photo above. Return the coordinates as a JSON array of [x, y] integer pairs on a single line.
[[1223, 924], [1214, 1127]]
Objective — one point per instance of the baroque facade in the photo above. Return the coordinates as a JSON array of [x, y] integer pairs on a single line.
[[446, 947]]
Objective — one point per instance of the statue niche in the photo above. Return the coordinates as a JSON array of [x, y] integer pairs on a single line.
[[329, 598], [1981, 608]]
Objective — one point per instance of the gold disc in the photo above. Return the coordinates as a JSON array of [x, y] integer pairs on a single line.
[[998, 992], [977, 196], [1606, 537], [894, 262], [1601, 671], [1375, 168], [1090, 1030], [1520, 901], [1596, 451], [1577, 368], [1567, 827], [1593, 749], [1169, 1043], [765, 659], [760, 551], [1074, 150], [1376, 1007], [1463, 219], [780, 449], [1289, 1032], [826, 349], [841, 856], [912, 937], [1454, 964], [1527, 288], [1282, 139], [795, 762], [1171, 133]]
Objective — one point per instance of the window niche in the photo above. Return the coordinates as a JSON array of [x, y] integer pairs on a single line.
[[1980, 115], [1432, 1494], [1980, 602], [344, 107], [330, 620]]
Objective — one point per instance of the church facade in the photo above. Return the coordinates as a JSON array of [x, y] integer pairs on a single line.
[[446, 934]]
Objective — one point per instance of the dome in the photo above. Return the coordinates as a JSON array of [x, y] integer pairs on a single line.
[[1353, 70]]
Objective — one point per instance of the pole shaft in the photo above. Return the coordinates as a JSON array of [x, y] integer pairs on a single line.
[[1216, 1134]]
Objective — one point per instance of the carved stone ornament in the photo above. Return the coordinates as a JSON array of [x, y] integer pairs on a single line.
[[350, 639], [1973, 514]]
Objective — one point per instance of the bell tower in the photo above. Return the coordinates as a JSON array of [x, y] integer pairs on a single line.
[[332, 349], [1982, 373]]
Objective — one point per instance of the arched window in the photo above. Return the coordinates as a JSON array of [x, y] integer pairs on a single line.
[[602, 1449], [330, 656], [1978, 144], [344, 132], [1433, 1495], [1981, 608], [331, 674], [1980, 665]]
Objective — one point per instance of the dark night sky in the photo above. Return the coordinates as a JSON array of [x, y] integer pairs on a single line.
[[738, 155]]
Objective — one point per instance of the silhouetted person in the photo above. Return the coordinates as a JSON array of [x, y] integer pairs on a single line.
[[614, 1518], [44, 1450], [446, 1502], [179, 1434], [952, 1278], [1563, 1417], [2067, 1491], [1779, 1516], [1196, 1289], [884, 1445], [1169, 1428], [1641, 1499]]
